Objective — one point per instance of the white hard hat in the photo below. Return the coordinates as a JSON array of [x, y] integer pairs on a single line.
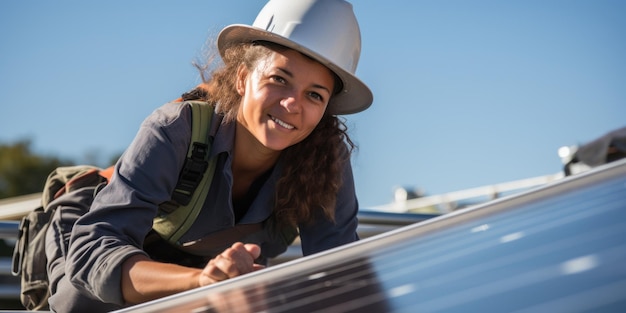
[[325, 30]]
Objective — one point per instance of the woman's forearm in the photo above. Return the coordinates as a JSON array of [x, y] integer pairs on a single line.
[[144, 279]]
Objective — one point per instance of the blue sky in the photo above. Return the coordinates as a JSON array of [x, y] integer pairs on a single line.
[[466, 93]]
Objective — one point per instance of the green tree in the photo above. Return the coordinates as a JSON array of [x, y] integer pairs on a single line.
[[22, 171]]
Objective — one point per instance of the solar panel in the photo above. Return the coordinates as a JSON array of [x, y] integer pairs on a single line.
[[558, 248]]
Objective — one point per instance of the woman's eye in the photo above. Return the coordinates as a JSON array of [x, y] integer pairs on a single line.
[[279, 79], [316, 96]]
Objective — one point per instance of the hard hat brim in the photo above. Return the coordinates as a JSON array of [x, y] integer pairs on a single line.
[[355, 96]]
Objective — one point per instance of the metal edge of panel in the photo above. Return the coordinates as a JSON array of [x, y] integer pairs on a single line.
[[15, 208]]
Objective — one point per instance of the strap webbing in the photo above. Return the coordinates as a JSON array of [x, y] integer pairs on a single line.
[[195, 178]]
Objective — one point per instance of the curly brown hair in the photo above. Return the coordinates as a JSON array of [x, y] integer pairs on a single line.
[[311, 176]]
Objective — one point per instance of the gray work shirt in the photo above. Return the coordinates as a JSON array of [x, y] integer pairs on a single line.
[[145, 176]]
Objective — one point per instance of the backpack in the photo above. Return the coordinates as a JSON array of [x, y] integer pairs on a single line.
[[175, 217], [29, 259]]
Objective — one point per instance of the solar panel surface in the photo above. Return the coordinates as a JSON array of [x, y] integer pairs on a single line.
[[559, 248]]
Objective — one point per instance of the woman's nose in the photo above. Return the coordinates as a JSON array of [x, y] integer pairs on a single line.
[[291, 104]]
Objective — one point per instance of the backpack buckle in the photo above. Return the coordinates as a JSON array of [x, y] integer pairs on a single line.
[[191, 174]]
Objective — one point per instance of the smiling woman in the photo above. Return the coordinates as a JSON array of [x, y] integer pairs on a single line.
[[281, 157], [283, 98]]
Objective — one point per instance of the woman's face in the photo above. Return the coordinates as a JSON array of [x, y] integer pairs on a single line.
[[283, 98]]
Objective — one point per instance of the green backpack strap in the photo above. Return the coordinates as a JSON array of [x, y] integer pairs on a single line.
[[194, 180]]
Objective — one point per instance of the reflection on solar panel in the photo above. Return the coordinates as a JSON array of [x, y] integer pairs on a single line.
[[560, 248]]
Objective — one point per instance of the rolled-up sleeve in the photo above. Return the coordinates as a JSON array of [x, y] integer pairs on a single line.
[[122, 212]]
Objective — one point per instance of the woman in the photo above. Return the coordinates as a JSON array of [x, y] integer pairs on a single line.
[[282, 155]]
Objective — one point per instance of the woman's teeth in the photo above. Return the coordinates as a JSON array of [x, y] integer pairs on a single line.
[[281, 123]]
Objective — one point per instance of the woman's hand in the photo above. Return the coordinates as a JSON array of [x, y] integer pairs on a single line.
[[234, 261], [144, 279]]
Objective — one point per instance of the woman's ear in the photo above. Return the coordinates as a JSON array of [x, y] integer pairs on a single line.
[[242, 74]]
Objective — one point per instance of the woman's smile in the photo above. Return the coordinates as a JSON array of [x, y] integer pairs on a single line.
[[282, 123]]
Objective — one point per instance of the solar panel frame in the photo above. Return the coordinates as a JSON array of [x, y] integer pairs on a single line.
[[357, 276]]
